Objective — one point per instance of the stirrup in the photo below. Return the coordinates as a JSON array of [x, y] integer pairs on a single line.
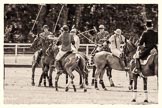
[[135, 71], [127, 68], [141, 75]]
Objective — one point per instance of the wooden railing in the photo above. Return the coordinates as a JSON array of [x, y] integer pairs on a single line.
[[87, 48]]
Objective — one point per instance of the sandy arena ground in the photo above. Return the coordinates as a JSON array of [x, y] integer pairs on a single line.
[[18, 90]]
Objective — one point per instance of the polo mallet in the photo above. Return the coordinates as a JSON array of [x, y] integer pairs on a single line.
[[58, 18], [85, 36], [36, 19]]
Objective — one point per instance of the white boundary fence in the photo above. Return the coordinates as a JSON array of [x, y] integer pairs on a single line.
[[16, 46]]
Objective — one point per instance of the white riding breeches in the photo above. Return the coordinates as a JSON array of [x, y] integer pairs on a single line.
[[116, 52], [74, 49], [62, 53]]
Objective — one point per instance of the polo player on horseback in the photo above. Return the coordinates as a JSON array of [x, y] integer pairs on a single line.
[[115, 41], [65, 40], [76, 46], [150, 39], [43, 35], [101, 37], [100, 41], [42, 42]]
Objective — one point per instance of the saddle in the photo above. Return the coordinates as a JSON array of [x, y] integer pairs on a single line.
[[145, 60], [97, 49], [65, 55]]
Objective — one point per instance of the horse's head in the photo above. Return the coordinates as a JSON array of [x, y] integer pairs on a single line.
[[52, 49], [128, 48], [36, 43], [122, 47]]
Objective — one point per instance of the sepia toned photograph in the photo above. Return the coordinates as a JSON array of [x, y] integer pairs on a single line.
[[104, 54]]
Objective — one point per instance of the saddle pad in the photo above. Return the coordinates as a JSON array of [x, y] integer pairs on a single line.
[[143, 62]]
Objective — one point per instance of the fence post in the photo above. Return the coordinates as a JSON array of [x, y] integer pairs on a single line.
[[15, 53], [87, 50]]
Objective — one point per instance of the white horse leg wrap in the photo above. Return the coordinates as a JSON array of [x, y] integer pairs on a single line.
[[146, 94], [135, 94]]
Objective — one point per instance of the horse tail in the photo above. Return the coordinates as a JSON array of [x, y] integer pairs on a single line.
[[81, 62], [156, 64], [77, 58]]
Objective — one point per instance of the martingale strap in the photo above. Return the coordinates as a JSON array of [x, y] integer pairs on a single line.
[[115, 41]]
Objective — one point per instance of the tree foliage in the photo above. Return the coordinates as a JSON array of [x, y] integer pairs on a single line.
[[130, 18]]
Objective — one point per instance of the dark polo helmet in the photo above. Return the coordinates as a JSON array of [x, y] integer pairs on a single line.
[[65, 28]]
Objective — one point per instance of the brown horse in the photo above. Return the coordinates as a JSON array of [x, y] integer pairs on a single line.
[[73, 61], [105, 60], [150, 68], [46, 60], [108, 70]]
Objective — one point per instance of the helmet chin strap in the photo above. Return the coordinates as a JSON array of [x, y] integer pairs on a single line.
[[149, 28]]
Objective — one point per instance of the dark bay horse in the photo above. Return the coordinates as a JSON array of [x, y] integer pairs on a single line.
[[150, 68], [73, 61], [46, 60], [105, 60]]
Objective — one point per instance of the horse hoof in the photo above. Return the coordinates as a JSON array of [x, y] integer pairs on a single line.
[[51, 86], [146, 101], [112, 85], [85, 90], [130, 87], [105, 89], [74, 90], [81, 86], [33, 84], [92, 84], [66, 89], [87, 83], [44, 84], [133, 100], [97, 88], [56, 89], [39, 85]]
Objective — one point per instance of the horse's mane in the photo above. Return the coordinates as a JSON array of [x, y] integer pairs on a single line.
[[130, 47]]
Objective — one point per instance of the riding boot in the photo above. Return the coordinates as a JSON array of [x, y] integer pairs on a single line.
[[125, 63], [96, 85], [58, 66], [138, 66]]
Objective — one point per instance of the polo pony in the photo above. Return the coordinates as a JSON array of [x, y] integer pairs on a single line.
[[105, 60], [46, 60], [149, 67], [70, 62]]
